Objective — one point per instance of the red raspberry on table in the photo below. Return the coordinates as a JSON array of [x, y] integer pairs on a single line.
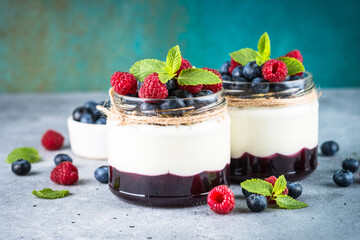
[[153, 88], [193, 89], [124, 83], [274, 70], [272, 180], [52, 140], [233, 65], [221, 199], [65, 173], [295, 54], [185, 64], [213, 87]]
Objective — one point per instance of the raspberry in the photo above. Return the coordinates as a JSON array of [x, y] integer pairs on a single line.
[[274, 70], [52, 140], [233, 65], [124, 83], [272, 180], [213, 87], [194, 89], [153, 88], [185, 64], [295, 54], [221, 199], [65, 173]]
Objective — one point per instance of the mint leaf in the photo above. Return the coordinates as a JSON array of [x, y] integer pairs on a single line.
[[51, 194], [258, 186], [173, 60], [196, 76], [260, 60], [245, 55], [285, 201], [28, 153], [264, 46], [293, 65], [145, 67], [279, 185], [165, 76]]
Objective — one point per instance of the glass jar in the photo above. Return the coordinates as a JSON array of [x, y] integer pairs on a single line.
[[274, 128], [168, 152]]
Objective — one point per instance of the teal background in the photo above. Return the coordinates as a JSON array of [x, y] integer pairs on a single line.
[[56, 46]]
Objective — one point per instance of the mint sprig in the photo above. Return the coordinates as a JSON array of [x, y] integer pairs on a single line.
[[143, 68], [173, 60], [293, 65], [196, 76], [262, 187], [51, 194], [28, 153]]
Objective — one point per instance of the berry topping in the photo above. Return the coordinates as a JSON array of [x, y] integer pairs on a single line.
[[191, 88], [77, 113], [52, 140], [123, 83], [224, 69], [259, 85], [238, 72], [295, 54], [329, 148], [213, 87], [350, 164], [153, 88], [101, 120], [65, 173], [204, 93], [185, 64], [274, 70], [343, 178], [221, 200], [62, 158], [252, 70], [171, 85], [102, 174], [233, 65], [87, 118], [256, 202], [295, 189], [21, 167]]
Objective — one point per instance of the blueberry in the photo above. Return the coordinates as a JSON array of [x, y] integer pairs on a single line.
[[251, 70], [259, 85], [256, 202], [246, 192], [148, 108], [226, 77], [350, 164], [295, 77], [62, 158], [295, 189], [87, 118], [173, 104], [139, 84], [90, 105], [238, 71], [171, 85], [240, 79], [102, 174], [329, 148], [105, 104], [101, 120], [287, 78], [224, 69], [180, 93], [76, 114], [343, 178], [21, 167], [204, 93]]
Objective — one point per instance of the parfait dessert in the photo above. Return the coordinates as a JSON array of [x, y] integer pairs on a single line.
[[168, 132], [274, 114]]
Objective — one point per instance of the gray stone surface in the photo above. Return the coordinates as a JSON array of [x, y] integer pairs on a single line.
[[92, 212]]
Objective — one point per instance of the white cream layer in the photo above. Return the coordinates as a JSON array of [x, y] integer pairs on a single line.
[[264, 131], [180, 150]]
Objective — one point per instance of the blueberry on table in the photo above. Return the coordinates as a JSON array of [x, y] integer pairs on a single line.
[[295, 189], [350, 164], [224, 69], [21, 167], [102, 174], [256, 202], [101, 120], [76, 114], [87, 118], [246, 192], [329, 148], [343, 178], [62, 158], [259, 85], [251, 70], [238, 71]]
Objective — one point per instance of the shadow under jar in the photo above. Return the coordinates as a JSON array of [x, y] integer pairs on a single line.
[[274, 128], [168, 152]]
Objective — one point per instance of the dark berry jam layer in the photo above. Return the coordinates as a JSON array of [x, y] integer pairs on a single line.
[[294, 167], [166, 190]]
